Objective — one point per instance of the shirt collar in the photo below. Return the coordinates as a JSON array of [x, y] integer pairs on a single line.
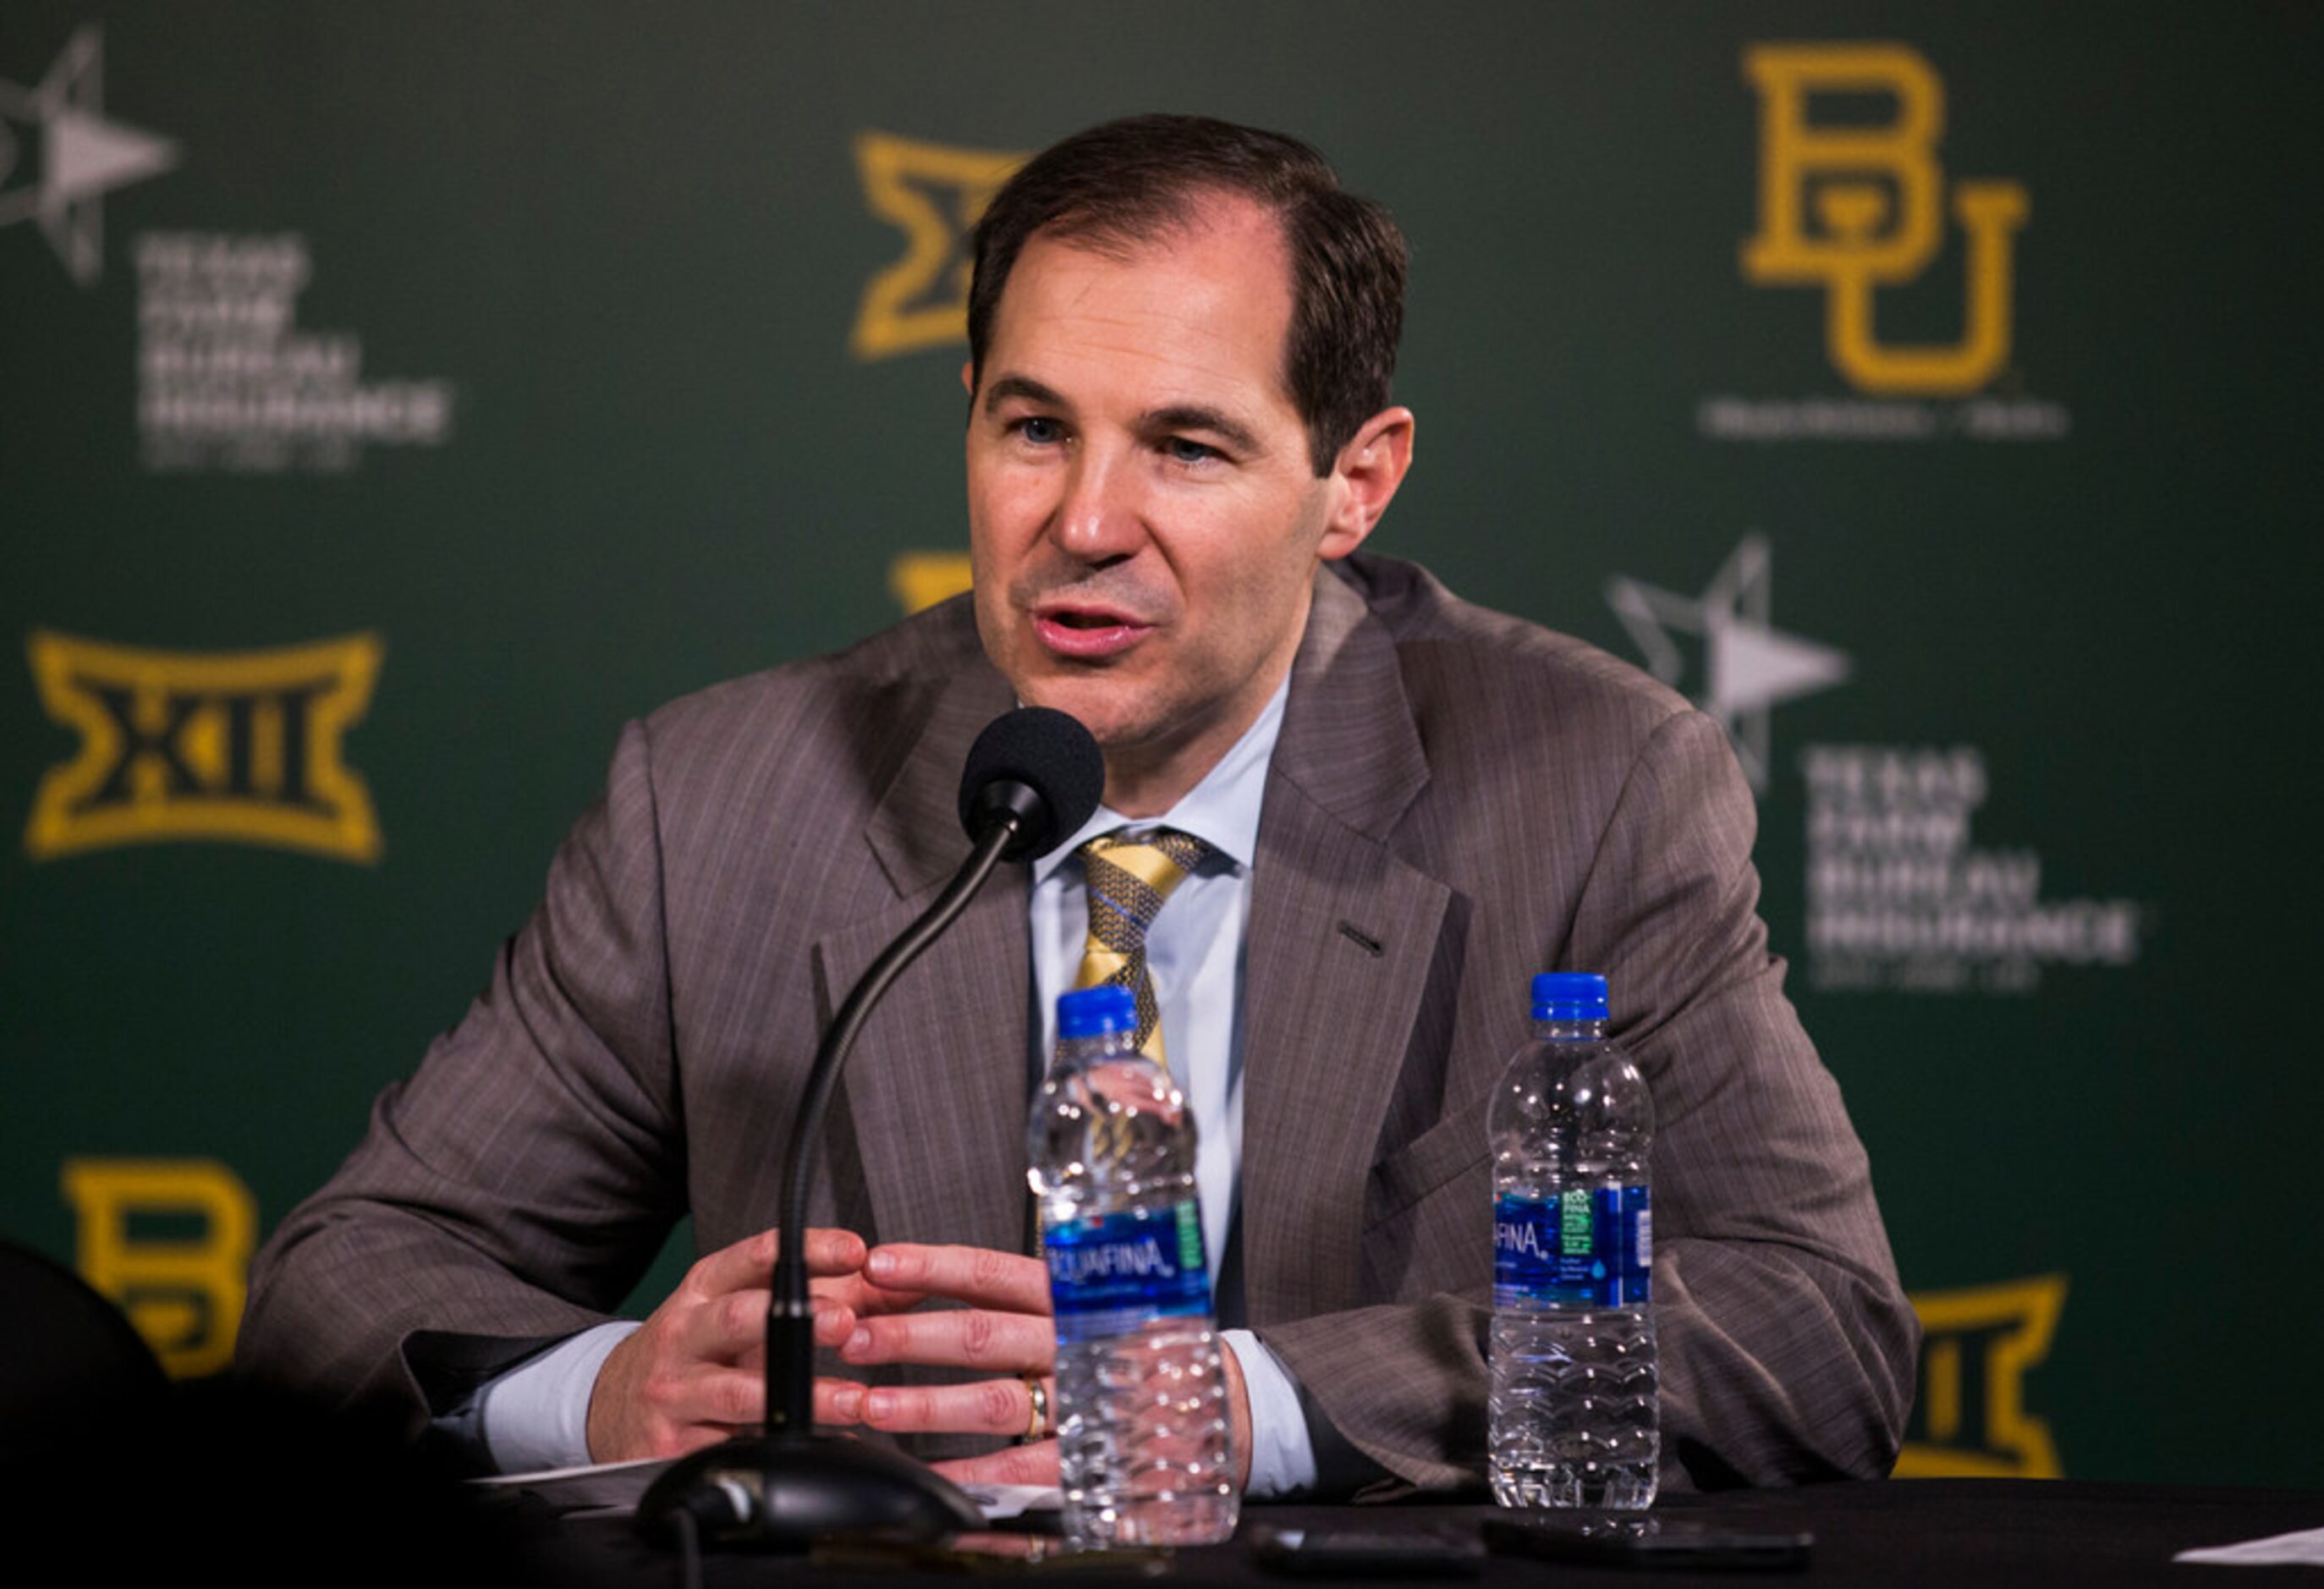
[[1222, 810]]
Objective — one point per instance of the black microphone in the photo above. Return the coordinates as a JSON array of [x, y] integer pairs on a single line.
[[1033, 777], [1038, 766]]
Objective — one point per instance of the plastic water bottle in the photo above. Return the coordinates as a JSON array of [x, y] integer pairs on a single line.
[[1573, 1395], [1143, 1427]]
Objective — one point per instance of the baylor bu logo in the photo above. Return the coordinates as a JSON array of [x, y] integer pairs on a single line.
[[235, 745], [936, 195], [184, 1290], [1851, 207]]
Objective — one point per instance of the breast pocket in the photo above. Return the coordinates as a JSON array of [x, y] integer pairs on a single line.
[[1428, 1211]]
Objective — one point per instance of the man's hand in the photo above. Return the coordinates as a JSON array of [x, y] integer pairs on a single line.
[[696, 1370], [1003, 1326]]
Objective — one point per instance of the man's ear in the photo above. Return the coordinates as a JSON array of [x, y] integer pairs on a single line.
[[968, 377], [1364, 478]]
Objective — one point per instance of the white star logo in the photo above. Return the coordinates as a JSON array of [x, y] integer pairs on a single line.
[[1747, 665], [82, 155]]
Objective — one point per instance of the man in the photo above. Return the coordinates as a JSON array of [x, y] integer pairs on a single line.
[[1399, 806]]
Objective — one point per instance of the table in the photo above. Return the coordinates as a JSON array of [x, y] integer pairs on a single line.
[[1978, 1533]]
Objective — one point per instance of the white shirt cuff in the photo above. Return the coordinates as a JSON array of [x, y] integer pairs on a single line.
[[536, 1416], [1282, 1458]]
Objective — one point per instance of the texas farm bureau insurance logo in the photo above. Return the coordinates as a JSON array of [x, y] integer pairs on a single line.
[[1723, 646], [1900, 896], [237, 746], [1851, 207], [227, 378]]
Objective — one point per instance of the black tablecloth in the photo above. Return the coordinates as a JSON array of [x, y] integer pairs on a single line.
[[1977, 1533]]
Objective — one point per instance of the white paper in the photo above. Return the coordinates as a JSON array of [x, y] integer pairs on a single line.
[[1001, 1502], [2303, 1548]]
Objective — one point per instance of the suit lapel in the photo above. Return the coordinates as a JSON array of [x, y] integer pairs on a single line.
[[1343, 936], [936, 1087]]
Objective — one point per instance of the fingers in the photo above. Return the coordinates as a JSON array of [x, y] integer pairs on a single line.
[[977, 1275], [695, 1370], [989, 1406], [751, 1261], [1005, 1327], [1011, 1465], [858, 1295], [1237, 1412], [674, 1414], [714, 1401], [742, 1271], [838, 1401], [963, 1337], [903, 1275], [733, 1328]]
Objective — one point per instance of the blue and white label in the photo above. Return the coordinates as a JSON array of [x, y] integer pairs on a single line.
[[1111, 1273], [1590, 1247]]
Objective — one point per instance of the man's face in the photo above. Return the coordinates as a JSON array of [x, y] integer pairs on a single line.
[[1143, 519]]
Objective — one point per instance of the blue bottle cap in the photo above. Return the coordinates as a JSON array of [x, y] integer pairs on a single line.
[[1089, 1013], [1569, 995]]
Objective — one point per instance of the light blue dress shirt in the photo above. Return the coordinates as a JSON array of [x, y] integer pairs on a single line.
[[536, 1416]]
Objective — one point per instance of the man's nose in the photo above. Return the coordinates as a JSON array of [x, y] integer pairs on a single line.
[[1101, 518]]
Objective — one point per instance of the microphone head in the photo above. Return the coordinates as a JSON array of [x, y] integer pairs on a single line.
[[1040, 765]]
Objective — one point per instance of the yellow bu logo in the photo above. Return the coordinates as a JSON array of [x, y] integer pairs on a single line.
[[183, 1294], [1873, 195]]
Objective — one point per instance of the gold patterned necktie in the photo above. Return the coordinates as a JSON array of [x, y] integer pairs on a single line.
[[1129, 879]]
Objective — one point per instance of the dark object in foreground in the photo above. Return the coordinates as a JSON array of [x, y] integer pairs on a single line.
[[139, 1480], [69, 1363], [1375, 1549], [1639, 1540]]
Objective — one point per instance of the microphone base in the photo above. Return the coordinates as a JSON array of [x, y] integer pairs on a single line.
[[754, 1493]]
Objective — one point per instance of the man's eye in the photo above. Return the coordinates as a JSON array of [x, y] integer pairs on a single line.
[[1040, 430], [1184, 451]]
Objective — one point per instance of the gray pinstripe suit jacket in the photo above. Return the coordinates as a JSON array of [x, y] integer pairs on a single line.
[[1458, 800]]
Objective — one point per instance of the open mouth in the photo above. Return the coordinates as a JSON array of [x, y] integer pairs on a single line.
[[1088, 633]]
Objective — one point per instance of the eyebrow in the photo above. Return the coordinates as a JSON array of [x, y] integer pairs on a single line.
[[1005, 387], [1195, 417]]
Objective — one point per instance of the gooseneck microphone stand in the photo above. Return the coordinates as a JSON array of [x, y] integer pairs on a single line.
[[782, 1490]]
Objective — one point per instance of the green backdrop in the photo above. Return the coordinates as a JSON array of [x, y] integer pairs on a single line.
[[393, 399]]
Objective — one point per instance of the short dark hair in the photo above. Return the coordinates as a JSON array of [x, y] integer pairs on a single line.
[[1131, 180]]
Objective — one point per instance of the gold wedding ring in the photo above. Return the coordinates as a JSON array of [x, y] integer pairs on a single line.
[[1037, 1424]]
